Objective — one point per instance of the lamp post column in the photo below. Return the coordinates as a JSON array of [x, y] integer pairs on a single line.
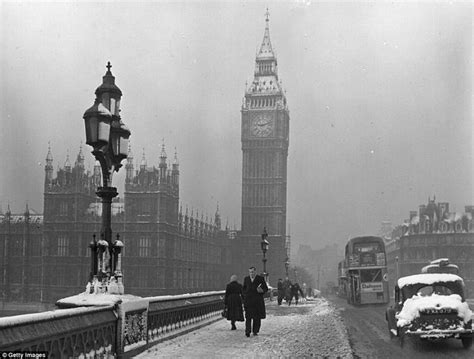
[[108, 136], [397, 268], [94, 264], [264, 260], [107, 194], [264, 245]]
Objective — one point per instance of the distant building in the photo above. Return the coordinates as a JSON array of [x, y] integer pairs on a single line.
[[320, 263], [21, 275], [433, 232], [167, 250], [47, 257], [386, 231]]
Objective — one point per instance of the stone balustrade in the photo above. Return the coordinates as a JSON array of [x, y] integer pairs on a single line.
[[122, 330]]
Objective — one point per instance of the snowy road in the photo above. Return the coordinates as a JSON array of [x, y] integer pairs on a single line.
[[369, 337], [311, 329]]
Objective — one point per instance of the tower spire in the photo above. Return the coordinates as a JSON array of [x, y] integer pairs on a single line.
[[266, 50], [143, 163]]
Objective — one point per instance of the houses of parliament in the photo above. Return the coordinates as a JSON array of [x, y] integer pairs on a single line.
[[168, 249]]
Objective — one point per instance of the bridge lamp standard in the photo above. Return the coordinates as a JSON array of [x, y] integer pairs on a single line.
[[108, 136], [287, 265], [264, 244]]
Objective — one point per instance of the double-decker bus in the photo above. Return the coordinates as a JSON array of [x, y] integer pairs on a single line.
[[366, 270], [341, 280]]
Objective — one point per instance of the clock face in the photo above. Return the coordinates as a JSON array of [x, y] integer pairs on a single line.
[[262, 126]]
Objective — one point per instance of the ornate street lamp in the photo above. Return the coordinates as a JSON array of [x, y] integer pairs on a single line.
[[264, 245], [287, 265], [108, 137]]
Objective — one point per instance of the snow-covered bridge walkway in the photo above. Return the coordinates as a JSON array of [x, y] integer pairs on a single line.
[[311, 329]]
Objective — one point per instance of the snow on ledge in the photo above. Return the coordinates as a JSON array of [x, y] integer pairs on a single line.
[[183, 296], [44, 316], [101, 299]]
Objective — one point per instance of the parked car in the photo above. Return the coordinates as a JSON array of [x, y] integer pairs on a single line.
[[430, 306]]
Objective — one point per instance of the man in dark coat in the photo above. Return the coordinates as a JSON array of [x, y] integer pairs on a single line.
[[254, 289], [287, 288], [295, 290], [233, 302], [281, 291]]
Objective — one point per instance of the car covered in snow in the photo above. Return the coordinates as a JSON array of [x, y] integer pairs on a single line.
[[430, 306]]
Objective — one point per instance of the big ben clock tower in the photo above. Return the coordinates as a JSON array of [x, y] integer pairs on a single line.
[[265, 139]]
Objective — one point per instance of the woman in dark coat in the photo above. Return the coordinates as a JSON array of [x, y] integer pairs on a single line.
[[233, 302]]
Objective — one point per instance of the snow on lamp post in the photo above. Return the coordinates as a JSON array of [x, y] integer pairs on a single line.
[[108, 136]]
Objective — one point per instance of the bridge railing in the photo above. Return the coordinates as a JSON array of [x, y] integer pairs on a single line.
[[64, 333], [120, 330]]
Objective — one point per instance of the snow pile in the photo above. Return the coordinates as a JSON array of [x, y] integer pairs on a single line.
[[428, 279], [413, 306]]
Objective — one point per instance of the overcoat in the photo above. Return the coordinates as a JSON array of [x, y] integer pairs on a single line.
[[233, 302], [253, 301]]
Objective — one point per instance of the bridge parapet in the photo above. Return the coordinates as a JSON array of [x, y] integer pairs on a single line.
[[64, 333], [121, 330], [169, 316]]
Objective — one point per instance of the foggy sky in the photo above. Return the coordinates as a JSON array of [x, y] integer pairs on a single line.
[[379, 97]]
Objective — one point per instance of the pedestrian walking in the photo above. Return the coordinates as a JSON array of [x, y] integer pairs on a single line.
[[281, 291], [295, 290], [287, 288], [305, 290], [253, 290], [233, 302]]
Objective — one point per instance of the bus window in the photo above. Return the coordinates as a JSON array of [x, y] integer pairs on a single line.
[[371, 275]]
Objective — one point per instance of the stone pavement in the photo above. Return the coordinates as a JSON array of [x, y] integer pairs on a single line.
[[313, 329]]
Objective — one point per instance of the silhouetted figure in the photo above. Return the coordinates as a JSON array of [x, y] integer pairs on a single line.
[[295, 290], [233, 302], [253, 290], [281, 291]]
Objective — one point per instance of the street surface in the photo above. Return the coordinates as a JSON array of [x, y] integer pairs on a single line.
[[311, 329], [370, 339]]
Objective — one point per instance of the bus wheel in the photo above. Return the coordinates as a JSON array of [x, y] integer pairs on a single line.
[[466, 342]]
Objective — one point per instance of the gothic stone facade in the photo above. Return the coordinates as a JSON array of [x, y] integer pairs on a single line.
[[166, 251], [265, 140], [21, 275], [431, 233]]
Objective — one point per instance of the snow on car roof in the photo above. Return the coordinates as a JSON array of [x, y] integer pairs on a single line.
[[428, 278], [439, 260]]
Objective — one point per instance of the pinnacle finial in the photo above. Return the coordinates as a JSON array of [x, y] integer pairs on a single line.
[[163, 152], [267, 15], [109, 66], [175, 156]]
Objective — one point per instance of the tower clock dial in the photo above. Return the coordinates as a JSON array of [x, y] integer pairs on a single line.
[[262, 126]]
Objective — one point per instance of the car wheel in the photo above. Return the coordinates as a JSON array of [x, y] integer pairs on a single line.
[[466, 342], [401, 337]]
